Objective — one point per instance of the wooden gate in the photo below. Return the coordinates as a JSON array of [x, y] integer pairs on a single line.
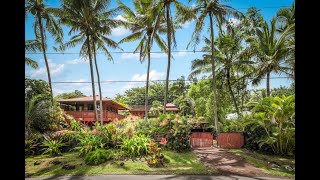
[[201, 139], [230, 140]]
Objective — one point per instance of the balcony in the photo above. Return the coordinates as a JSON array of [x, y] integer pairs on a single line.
[[88, 116]]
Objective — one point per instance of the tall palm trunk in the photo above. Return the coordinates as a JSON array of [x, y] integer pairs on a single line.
[[169, 56], [213, 76], [92, 77], [244, 93], [44, 54], [268, 82], [99, 84], [147, 83], [231, 92]]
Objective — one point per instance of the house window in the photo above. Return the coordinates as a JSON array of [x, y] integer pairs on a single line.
[[90, 107], [79, 107]]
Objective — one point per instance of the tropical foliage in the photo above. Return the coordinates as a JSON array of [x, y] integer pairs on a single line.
[[98, 156]]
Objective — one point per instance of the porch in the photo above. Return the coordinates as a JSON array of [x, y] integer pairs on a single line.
[[88, 116]]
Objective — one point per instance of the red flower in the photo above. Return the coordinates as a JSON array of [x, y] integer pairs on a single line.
[[163, 141]]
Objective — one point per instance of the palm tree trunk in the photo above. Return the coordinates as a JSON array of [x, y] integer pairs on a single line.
[[147, 84], [99, 84], [92, 77], [44, 55], [244, 93], [169, 56], [232, 94], [213, 76], [268, 83]]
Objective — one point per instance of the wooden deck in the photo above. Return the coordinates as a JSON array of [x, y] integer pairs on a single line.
[[88, 116]]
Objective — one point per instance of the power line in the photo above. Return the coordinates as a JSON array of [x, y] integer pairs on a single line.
[[267, 7], [128, 52], [115, 81]]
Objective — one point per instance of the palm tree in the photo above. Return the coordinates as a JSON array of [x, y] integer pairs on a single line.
[[269, 48], [146, 25], [170, 37], [232, 56], [286, 19], [43, 13], [32, 46], [99, 38], [79, 15], [210, 8]]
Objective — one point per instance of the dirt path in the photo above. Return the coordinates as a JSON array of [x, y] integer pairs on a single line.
[[227, 163]]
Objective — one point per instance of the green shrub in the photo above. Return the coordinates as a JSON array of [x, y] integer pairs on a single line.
[[71, 140], [75, 125], [136, 146], [178, 139], [33, 144], [52, 146], [88, 143], [98, 156], [252, 137], [276, 116]]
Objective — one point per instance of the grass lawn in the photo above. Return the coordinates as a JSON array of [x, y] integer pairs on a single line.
[[261, 161], [180, 163]]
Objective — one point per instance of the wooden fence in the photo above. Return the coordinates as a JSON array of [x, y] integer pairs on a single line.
[[230, 140], [201, 139]]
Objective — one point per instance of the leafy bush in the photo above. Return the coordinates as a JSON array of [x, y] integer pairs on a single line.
[[75, 125], [88, 143], [276, 115], [52, 146], [71, 140], [30, 146], [136, 146], [157, 159], [33, 144], [98, 156], [178, 140], [252, 137]]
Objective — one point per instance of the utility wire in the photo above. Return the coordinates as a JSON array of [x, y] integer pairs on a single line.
[[267, 7], [115, 81], [114, 52]]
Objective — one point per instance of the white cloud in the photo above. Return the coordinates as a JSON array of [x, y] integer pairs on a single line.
[[120, 31], [55, 69], [234, 21], [187, 24], [120, 17], [130, 56], [77, 61], [180, 54], [153, 75]]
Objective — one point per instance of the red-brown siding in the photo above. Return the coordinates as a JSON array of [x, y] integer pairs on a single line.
[[230, 140], [201, 139]]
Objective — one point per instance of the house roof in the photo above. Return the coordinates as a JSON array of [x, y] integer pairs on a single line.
[[84, 99], [169, 107], [90, 99], [138, 107]]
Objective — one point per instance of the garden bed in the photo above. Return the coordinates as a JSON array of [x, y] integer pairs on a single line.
[[180, 163]]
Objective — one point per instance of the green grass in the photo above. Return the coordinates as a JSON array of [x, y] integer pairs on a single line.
[[261, 161], [180, 163]]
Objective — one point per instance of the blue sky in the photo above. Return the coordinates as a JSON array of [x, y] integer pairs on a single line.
[[126, 66]]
